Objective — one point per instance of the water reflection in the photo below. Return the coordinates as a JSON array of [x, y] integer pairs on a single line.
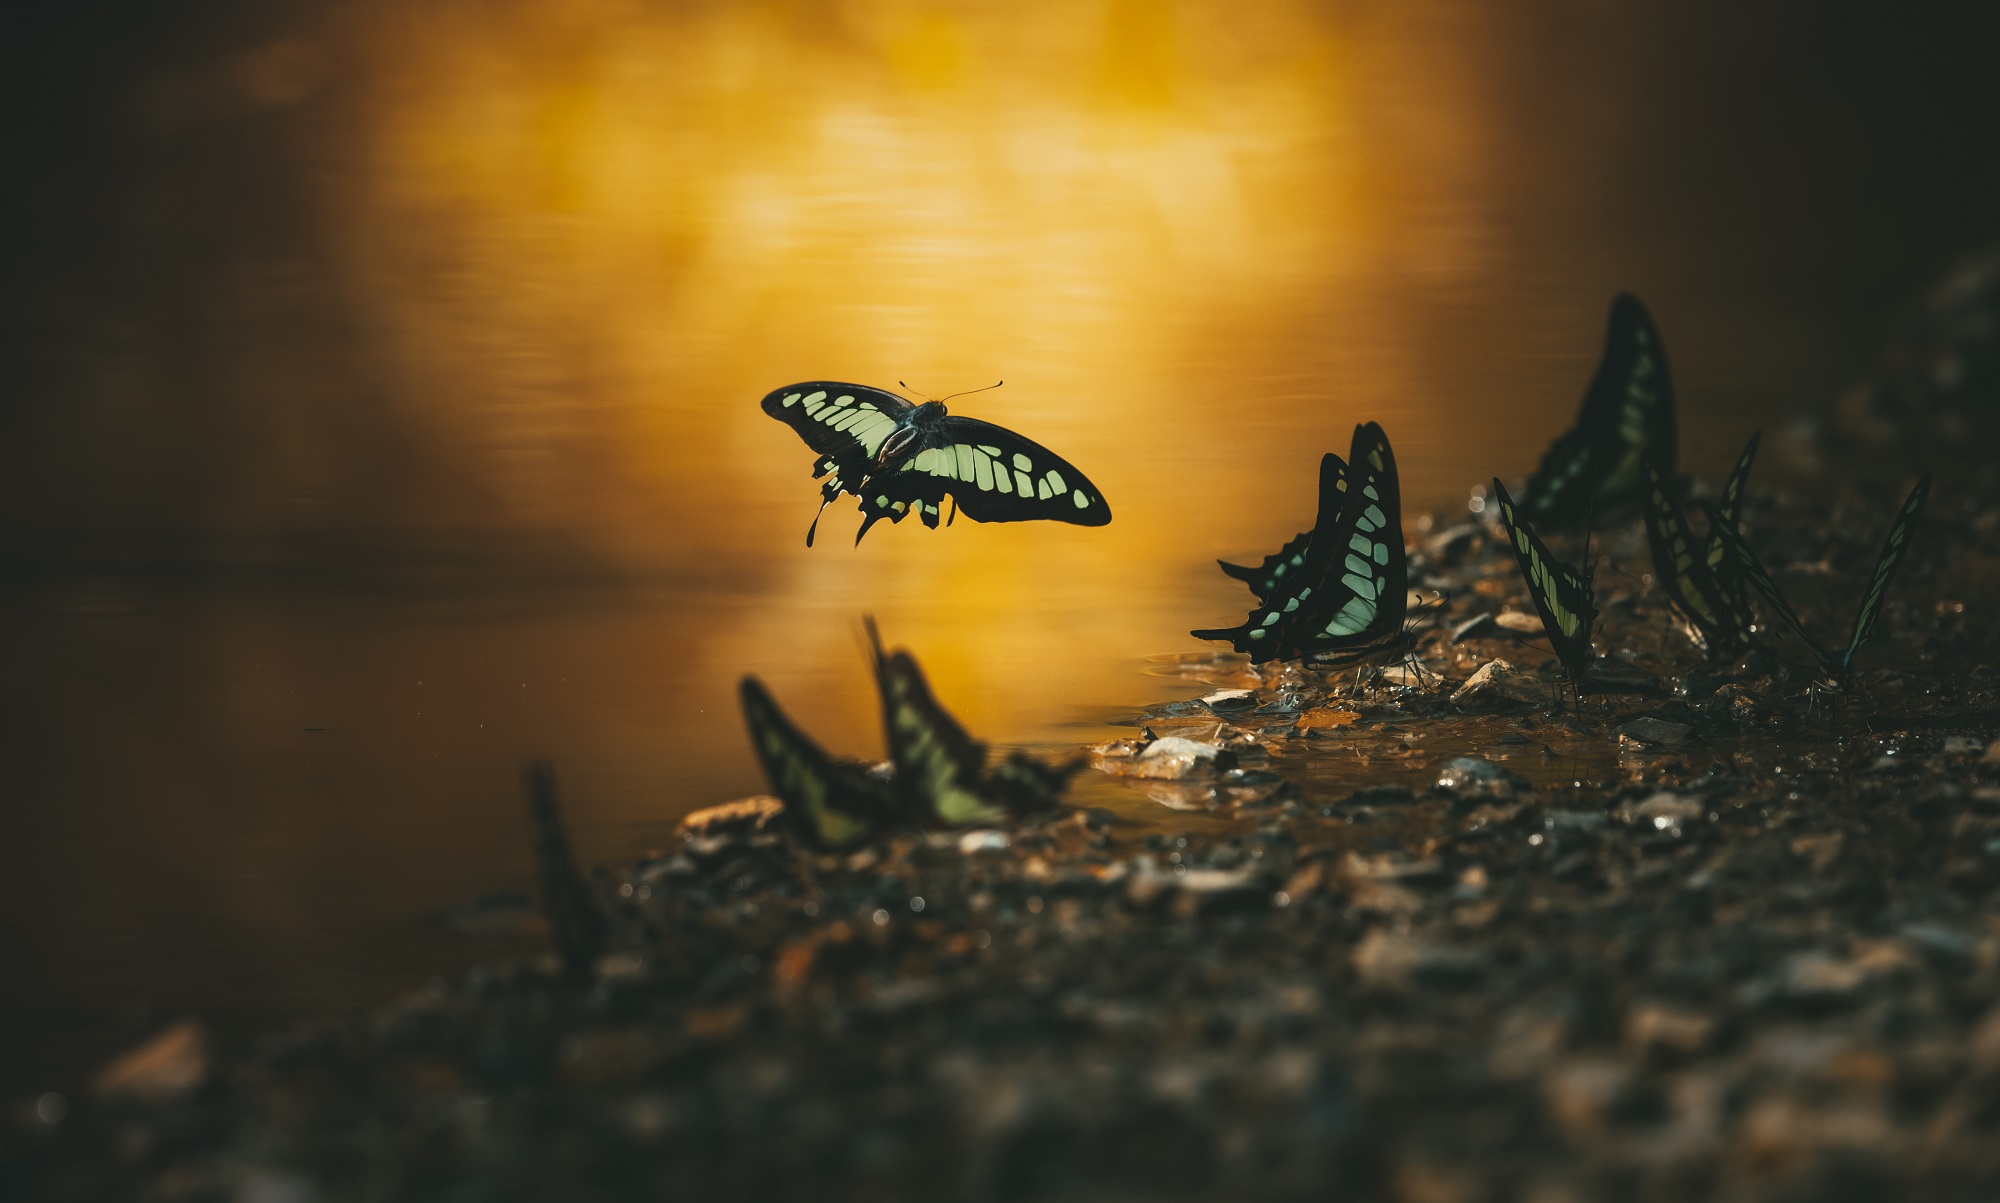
[[441, 328]]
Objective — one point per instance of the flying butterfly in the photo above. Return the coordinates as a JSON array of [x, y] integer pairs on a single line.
[[1265, 578], [1627, 413], [1348, 600], [1711, 616], [941, 772], [1562, 595], [830, 803], [899, 458], [1837, 667]]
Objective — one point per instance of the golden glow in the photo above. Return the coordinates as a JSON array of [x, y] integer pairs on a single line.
[[1199, 241]]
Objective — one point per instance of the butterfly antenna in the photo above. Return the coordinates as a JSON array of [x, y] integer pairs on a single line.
[[949, 396]]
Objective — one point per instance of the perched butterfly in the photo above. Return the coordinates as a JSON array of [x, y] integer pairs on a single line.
[[1562, 595], [1288, 560], [1348, 600], [1838, 668], [1704, 605], [941, 771], [900, 458], [831, 803], [1627, 413], [1722, 567]]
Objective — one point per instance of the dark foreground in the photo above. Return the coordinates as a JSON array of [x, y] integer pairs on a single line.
[[1730, 946]]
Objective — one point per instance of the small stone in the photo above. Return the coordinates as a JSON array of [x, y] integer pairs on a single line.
[[1472, 775], [166, 1067], [1651, 1026], [1176, 756], [1960, 745], [1385, 959], [1654, 732], [982, 841], [1230, 701], [744, 816], [1992, 756], [1665, 809], [1499, 683], [1519, 622]]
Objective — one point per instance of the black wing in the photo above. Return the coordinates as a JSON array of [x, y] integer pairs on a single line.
[[1361, 574], [846, 423], [1684, 576], [990, 473], [940, 770], [1753, 571], [1269, 575], [1561, 594], [1893, 550], [1627, 413], [1258, 635], [1722, 567], [831, 804]]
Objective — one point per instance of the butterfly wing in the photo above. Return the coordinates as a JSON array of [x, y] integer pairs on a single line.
[[1683, 575], [846, 423], [1258, 636], [990, 473], [1627, 413], [1362, 574], [831, 804], [1893, 550], [1269, 575], [1754, 572], [1561, 594], [1722, 567], [940, 770]]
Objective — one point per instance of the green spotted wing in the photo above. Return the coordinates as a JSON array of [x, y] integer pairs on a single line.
[[1562, 595], [830, 803], [1627, 414], [1348, 600], [1683, 571], [990, 473], [1269, 576], [940, 770], [1363, 572]]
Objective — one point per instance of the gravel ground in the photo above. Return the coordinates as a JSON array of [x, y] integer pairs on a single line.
[[1705, 939]]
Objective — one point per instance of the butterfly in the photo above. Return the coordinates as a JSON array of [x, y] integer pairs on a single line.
[[831, 803], [1838, 668], [1288, 560], [899, 458], [1627, 413], [1562, 595], [1722, 567], [1348, 599], [1714, 618], [941, 771]]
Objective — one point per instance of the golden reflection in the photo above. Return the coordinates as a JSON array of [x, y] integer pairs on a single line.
[[1194, 238]]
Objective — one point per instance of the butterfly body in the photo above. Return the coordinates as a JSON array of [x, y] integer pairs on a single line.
[[898, 457]]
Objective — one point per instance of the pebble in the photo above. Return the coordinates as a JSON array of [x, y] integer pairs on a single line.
[[1499, 683]]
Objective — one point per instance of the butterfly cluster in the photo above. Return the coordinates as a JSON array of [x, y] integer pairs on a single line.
[[937, 775], [1332, 596]]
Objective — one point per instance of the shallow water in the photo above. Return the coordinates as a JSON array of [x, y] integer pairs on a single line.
[[397, 423]]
